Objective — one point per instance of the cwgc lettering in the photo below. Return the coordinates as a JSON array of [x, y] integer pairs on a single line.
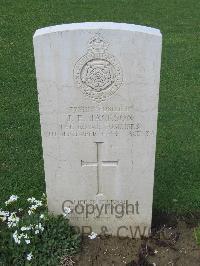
[[98, 86]]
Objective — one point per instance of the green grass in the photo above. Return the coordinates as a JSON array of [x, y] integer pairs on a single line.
[[177, 174], [197, 235]]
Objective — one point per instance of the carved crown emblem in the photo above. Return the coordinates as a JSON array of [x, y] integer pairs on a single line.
[[98, 74], [97, 44]]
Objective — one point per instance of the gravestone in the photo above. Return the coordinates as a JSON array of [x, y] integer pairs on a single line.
[[98, 87]]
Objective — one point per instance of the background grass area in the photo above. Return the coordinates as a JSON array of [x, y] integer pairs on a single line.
[[177, 173]]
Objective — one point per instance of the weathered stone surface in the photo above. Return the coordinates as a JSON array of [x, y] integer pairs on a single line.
[[98, 86]]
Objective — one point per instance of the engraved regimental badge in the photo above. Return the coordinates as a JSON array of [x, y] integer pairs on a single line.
[[98, 74]]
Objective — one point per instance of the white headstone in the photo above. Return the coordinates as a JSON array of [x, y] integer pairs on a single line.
[[98, 87]]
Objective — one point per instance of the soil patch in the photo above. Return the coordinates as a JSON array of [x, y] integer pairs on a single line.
[[171, 244]]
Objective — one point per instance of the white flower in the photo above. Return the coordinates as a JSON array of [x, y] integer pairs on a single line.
[[11, 224], [42, 216], [32, 200], [37, 232], [11, 199], [12, 220], [4, 215], [27, 241], [38, 203], [26, 228], [16, 237], [25, 236], [67, 210], [3, 218], [39, 227], [29, 256], [33, 207], [15, 234], [30, 212], [92, 235]]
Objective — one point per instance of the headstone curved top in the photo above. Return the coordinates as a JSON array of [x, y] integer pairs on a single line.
[[98, 87]]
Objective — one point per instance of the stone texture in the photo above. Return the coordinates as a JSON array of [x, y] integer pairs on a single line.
[[98, 87]]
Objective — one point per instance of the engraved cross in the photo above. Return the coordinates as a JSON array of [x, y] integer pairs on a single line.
[[99, 164]]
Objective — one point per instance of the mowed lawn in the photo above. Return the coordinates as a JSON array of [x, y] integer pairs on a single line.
[[177, 175]]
